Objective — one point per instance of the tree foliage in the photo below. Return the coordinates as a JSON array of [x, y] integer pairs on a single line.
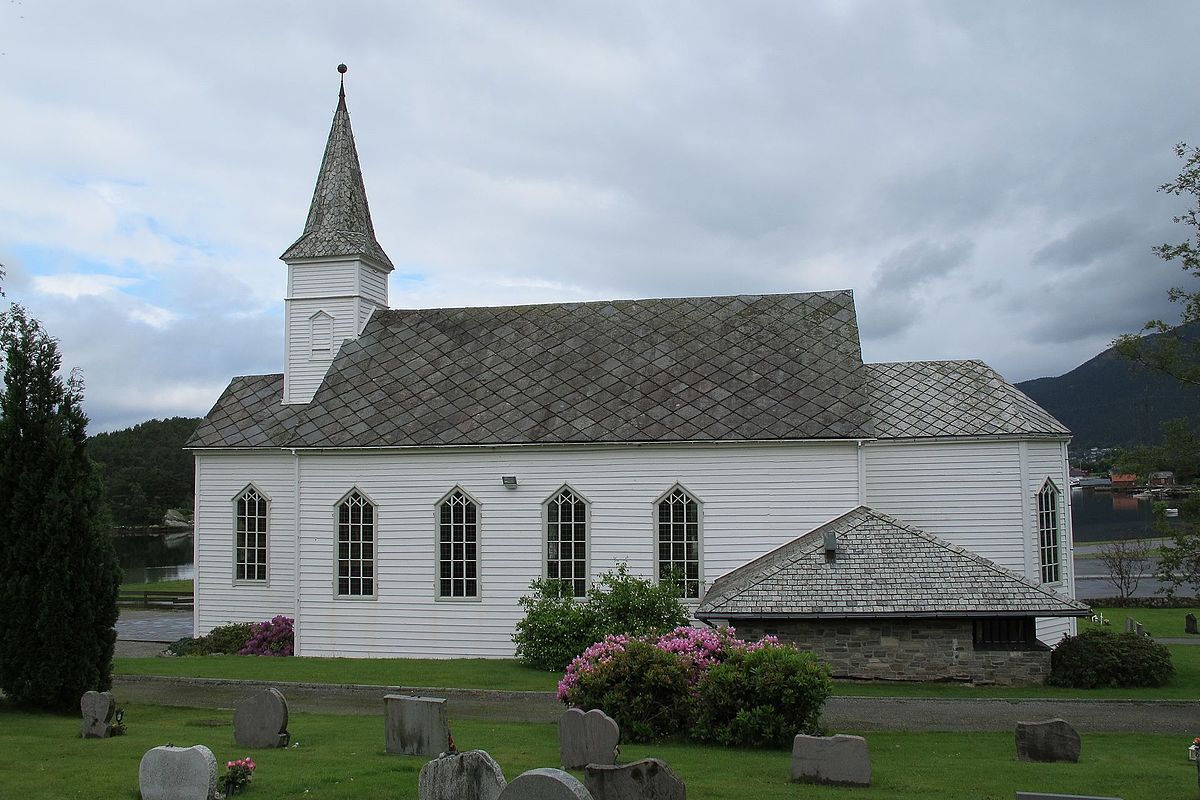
[[1179, 559], [1171, 353], [145, 469], [58, 570], [1179, 452]]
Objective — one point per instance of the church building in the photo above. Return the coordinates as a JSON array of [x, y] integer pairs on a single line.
[[399, 485]]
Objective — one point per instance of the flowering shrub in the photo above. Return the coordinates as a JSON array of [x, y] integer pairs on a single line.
[[707, 682], [240, 774], [557, 625], [1098, 658], [645, 689], [275, 637], [761, 697], [225, 639]]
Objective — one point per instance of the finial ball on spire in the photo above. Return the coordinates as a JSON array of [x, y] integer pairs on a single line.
[[342, 68]]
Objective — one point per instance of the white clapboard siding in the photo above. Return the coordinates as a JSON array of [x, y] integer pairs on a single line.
[[323, 279], [220, 479], [968, 493], [754, 499], [306, 370], [1049, 460], [373, 285]]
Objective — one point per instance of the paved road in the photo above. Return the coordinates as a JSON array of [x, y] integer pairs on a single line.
[[153, 624]]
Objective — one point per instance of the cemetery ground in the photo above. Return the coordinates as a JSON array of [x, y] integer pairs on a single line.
[[342, 756]]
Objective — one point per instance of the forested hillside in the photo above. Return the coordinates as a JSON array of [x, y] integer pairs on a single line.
[[1110, 402], [145, 469]]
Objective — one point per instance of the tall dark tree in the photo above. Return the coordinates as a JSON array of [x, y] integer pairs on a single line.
[[58, 571], [1170, 352]]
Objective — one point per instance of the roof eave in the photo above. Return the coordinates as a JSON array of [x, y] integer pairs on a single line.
[[979, 614]]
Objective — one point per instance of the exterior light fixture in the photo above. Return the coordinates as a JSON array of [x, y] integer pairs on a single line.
[[510, 481]]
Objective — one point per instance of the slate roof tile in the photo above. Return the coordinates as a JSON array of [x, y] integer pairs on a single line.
[[883, 567]]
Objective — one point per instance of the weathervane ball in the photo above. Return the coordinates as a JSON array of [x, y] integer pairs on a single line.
[[342, 68]]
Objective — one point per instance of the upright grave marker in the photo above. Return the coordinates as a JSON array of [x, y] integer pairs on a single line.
[[178, 773], [589, 738], [415, 726], [473, 775], [1052, 740], [545, 784], [648, 779], [841, 759], [97, 709]]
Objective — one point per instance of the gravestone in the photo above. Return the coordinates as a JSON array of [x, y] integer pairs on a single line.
[[589, 738], [1129, 624], [1141, 631], [1040, 796], [545, 784], [840, 759], [473, 775], [261, 720], [178, 773], [1189, 624], [648, 779], [415, 726], [97, 709], [1052, 740]]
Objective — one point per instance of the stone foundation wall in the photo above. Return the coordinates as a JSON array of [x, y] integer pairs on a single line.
[[905, 650]]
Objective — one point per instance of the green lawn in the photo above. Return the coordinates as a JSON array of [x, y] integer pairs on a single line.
[[160, 586], [507, 674], [1159, 621], [342, 757]]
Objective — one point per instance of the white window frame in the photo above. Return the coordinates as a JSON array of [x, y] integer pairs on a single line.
[[587, 541], [437, 550], [320, 338], [1048, 519], [337, 542], [265, 517], [657, 523]]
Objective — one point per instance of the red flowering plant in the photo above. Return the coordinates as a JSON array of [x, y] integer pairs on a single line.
[[239, 775]]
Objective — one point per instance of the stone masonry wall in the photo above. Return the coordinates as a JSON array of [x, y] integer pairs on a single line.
[[905, 650]]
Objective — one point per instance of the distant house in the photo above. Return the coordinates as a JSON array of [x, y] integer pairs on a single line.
[[1122, 480], [1162, 479], [397, 487]]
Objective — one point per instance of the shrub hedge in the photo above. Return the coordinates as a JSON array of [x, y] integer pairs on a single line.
[[1099, 658]]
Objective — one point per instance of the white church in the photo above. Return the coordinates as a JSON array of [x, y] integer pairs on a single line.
[[399, 485]]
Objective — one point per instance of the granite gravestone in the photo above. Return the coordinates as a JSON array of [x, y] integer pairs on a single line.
[[648, 779], [415, 726], [178, 773], [1189, 624], [1052, 740], [589, 738], [473, 775], [97, 709], [261, 720], [842, 760]]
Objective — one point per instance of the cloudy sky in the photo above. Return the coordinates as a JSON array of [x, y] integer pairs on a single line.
[[982, 175]]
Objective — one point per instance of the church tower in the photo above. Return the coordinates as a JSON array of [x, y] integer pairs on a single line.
[[337, 272]]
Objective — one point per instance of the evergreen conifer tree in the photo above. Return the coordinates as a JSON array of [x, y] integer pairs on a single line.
[[58, 570]]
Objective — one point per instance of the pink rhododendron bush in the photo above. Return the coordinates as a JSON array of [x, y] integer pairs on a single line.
[[701, 684], [275, 637]]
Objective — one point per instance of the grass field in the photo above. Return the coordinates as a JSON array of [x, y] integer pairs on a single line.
[[340, 757], [160, 586], [1159, 621]]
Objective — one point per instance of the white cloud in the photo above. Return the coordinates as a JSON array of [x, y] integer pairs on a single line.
[[75, 285]]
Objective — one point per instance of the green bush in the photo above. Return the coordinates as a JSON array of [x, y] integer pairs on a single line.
[[558, 626], [623, 603], [761, 697], [225, 639], [643, 688], [1098, 658]]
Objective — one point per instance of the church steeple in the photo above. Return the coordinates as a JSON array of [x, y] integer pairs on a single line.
[[337, 272], [339, 220]]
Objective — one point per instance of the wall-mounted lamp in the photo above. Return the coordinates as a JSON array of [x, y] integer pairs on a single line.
[[510, 481]]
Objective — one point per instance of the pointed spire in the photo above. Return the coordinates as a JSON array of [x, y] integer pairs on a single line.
[[339, 221]]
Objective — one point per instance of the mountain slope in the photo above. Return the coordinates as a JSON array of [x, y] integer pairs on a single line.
[[1111, 402], [145, 469]]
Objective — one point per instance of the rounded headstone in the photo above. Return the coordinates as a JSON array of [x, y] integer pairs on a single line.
[[261, 720], [97, 709], [473, 775], [589, 738], [178, 773], [545, 784]]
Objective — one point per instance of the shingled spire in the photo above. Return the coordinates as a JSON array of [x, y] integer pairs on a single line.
[[339, 221]]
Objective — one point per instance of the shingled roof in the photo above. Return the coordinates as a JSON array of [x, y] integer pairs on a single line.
[[711, 369], [882, 568], [921, 399], [339, 220]]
